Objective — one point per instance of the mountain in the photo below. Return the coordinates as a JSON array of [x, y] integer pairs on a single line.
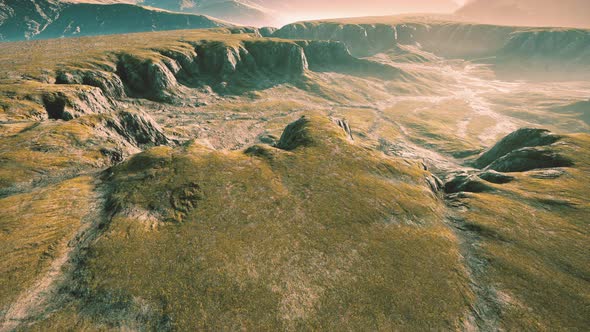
[[280, 12], [36, 19], [566, 13], [238, 11], [24, 19]]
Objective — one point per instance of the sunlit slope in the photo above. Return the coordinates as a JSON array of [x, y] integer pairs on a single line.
[[91, 87], [152, 182], [314, 232], [530, 228]]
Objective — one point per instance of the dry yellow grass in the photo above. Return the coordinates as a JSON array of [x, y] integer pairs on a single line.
[[35, 229]]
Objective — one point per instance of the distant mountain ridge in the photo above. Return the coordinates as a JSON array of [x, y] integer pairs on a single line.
[[40, 19], [564, 13], [279, 12]]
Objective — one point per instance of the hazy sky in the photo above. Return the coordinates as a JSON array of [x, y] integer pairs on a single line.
[[310, 9]]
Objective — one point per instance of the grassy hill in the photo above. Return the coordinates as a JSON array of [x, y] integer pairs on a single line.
[[204, 179]]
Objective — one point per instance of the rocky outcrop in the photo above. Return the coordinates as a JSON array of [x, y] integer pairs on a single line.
[[496, 177], [277, 57], [523, 150], [524, 137], [342, 123], [72, 103], [475, 182], [138, 129], [465, 182], [148, 77], [443, 38], [110, 84], [262, 56], [527, 159], [335, 56]]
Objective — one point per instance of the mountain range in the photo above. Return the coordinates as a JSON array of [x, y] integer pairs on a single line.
[[41, 19], [280, 12]]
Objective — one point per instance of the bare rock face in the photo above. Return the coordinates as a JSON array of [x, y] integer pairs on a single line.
[[524, 137], [523, 150], [147, 77], [369, 39], [274, 58], [496, 177], [465, 182], [138, 129], [342, 123], [278, 57], [530, 158], [110, 84], [335, 56], [70, 104]]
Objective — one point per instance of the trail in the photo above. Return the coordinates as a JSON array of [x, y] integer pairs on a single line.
[[33, 302]]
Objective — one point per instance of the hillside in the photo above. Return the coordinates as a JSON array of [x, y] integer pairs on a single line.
[[354, 174], [41, 19], [568, 13], [280, 12], [534, 52], [238, 11]]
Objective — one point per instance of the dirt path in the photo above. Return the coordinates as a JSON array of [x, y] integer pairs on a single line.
[[33, 302]]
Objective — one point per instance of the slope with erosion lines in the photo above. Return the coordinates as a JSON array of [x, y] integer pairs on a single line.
[[196, 218], [42, 19], [544, 53]]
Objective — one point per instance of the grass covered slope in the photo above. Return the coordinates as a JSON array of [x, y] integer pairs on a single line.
[[532, 236], [316, 232], [35, 228]]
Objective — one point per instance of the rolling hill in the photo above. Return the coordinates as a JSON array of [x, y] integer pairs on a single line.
[[376, 173]]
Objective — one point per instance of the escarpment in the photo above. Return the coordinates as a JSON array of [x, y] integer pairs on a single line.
[[67, 104], [548, 49], [450, 39], [335, 56], [256, 57], [162, 74]]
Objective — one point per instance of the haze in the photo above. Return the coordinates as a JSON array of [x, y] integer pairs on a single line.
[[313, 9]]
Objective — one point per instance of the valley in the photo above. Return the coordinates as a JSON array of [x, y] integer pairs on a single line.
[[399, 173]]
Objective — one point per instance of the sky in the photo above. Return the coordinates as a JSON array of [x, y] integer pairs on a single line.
[[315, 9]]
